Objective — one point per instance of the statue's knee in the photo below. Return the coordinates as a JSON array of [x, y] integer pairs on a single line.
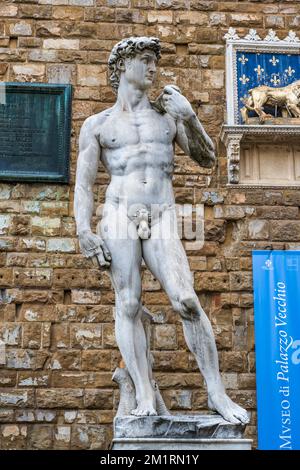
[[130, 307], [188, 305]]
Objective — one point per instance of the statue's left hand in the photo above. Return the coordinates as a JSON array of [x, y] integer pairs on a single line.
[[176, 104]]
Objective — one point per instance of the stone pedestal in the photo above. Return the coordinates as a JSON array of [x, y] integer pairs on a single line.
[[179, 432]]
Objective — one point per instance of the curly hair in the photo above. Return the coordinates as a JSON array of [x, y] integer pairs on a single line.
[[129, 47]]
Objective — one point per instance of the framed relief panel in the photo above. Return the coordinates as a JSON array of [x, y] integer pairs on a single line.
[[263, 108], [258, 72], [274, 77]]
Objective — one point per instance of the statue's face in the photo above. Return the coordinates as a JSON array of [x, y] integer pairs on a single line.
[[140, 70]]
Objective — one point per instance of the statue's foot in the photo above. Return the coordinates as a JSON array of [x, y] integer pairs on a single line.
[[145, 408], [220, 402]]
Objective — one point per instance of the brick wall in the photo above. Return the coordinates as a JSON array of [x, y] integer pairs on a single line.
[[56, 310]]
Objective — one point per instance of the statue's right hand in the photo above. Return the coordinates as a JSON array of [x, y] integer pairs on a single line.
[[92, 245]]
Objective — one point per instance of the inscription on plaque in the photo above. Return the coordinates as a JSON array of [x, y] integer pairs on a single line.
[[35, 132]]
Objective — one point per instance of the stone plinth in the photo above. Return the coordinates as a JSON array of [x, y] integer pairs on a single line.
[[179, 432]]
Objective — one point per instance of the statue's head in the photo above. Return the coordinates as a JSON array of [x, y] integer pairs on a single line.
[[136, 58]]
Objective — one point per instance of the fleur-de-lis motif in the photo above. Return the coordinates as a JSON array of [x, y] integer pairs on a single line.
[[244, 79], [271, 36], [275, 79], [274, 61], [291, 37], [243, 59], [289, 71], [259, 70], [231, 34], [252, 35]]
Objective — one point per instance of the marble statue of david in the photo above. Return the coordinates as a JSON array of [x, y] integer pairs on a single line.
[[135, 141]]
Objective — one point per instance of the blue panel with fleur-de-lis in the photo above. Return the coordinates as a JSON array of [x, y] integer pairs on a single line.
[[272, 69]]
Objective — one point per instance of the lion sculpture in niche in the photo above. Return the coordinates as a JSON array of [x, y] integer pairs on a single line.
[[287, 99]]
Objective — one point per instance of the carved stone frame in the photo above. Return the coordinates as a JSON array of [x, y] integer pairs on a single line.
[[234, 134]]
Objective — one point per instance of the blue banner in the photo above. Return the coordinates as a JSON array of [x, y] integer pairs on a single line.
[[276, 278]]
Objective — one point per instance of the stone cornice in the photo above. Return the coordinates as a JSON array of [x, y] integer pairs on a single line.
[[242, 130]]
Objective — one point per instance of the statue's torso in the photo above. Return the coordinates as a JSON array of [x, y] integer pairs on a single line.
[[137, 149]]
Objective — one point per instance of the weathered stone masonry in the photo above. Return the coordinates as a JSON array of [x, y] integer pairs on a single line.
[[56, 310]]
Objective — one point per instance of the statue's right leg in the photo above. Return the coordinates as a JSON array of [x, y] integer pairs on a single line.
[[126, 279]]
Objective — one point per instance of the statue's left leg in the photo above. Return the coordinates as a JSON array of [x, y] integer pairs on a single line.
[[166, 259]]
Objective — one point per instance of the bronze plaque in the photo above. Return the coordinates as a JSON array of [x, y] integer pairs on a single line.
[[35, 127]]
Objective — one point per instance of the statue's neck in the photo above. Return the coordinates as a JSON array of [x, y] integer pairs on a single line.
[[131, 98]]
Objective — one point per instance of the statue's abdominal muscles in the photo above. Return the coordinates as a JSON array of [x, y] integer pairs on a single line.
[[138, 154]]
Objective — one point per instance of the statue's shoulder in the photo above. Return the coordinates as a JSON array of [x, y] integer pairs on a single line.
[[93, 123], [161, 113]]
